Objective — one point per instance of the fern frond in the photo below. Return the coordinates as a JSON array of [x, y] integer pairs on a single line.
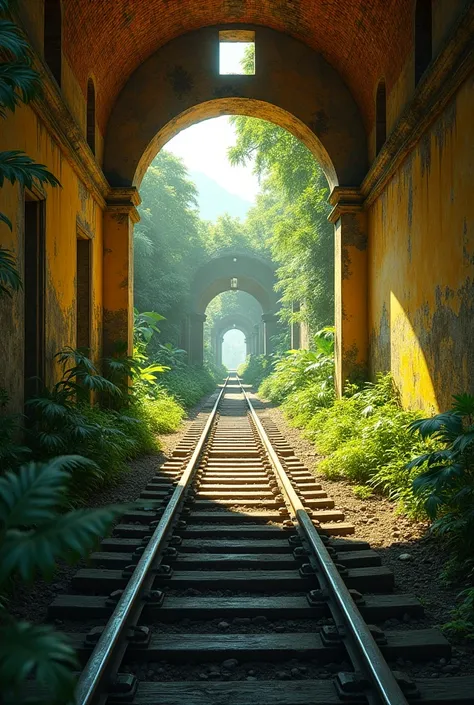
[[27, 649], [31, 495], [69, 536], [15, 166], [9, 275]]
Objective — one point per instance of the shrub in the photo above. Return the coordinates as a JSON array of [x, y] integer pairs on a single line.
[[302, 369], [187, 384], [255, 369], [446, 481], [366, 439], [156, 415], [462, 623]]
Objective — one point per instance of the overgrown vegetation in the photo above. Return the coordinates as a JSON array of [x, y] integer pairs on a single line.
[[255, 369], [35, 532], [426, 465]]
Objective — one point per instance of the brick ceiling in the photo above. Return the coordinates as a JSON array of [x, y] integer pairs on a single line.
[[363, 39]]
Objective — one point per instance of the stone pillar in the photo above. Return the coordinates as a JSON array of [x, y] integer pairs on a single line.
[[295, 329], [258, 339], [269, 330], [117, 298], [184, 334], [351, 285], [196, 338]]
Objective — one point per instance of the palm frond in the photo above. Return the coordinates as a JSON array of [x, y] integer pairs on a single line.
[[3, 217], [15, 166], [9, 275], [13, 41], [19, 83]]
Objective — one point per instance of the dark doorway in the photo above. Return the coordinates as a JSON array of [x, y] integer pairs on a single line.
[[83, 293], [34, 285]]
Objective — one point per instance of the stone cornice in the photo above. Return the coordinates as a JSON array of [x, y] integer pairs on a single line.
[[57, 119], [124, 200], [345, 199], [449, 70]]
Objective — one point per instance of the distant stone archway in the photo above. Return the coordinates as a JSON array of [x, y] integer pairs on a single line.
[[236, 321], [251, 273]]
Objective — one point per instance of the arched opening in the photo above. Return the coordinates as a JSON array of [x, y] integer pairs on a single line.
[[90, 121], [380, 117], [234, 348], [423, 38], [53, 37], [315, 107], [233, 311]]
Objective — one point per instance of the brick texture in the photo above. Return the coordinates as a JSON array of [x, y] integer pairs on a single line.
[[364, 40]]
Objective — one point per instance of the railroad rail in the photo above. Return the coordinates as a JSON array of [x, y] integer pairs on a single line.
[[235, 558]]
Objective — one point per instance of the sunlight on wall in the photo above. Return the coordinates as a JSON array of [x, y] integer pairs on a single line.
[[234, 349]]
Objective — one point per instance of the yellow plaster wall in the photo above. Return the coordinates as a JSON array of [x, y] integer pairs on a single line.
[[421, 264], [67, 208]]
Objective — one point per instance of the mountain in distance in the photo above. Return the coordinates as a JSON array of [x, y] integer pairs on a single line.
[[214, 200]]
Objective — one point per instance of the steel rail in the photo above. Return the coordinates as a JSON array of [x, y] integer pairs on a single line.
[[96, 668], [377, 668]]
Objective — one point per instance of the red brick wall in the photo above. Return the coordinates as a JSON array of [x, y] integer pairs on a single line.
[[364, 40]]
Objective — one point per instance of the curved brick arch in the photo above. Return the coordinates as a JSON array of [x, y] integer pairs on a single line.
[[179, 85]]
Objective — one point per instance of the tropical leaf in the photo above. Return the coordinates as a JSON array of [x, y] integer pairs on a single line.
[[448, 422], [9, 276], [15, 166], [30, 649], [18, 84], [32, 495], [68, 537], [3, 217], [463, 404]]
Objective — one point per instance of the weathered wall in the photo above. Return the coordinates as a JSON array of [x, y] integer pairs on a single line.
[[66, 209], [179, 85], [421, 264]]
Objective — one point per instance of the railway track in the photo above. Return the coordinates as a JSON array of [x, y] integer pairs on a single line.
[[235, 580]]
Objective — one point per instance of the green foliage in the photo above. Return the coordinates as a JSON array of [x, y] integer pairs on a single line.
[[363, 491], [188, 385], [17, 166], [168, 243], [62, 421], [35, 533], [462, 623], [255, 369], [12, 453], [446, 481], [19, 84], [160, 413], [10, 279], [303, 379], [365, 438], [290, 217]]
